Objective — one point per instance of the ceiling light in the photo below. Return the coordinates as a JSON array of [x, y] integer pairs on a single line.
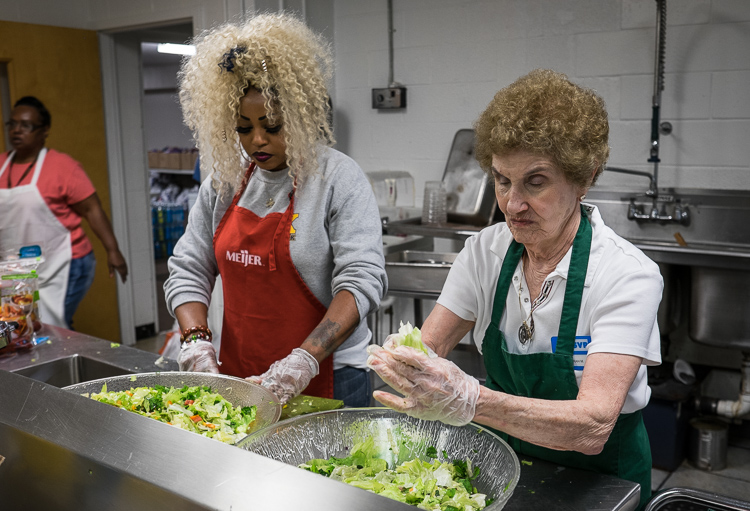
[[176, 49]]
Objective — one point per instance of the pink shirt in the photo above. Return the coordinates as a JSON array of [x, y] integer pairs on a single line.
[[62, 182]]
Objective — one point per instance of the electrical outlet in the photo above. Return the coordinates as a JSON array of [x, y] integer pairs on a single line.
[[392, 97]]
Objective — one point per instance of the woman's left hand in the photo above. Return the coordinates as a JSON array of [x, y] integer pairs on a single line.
[[434, 388], [116, 263], [287, 377]]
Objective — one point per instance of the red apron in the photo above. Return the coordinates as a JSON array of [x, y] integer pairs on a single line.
[[268, 308]]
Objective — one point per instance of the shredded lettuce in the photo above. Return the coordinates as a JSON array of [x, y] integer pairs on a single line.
[[411, 337], [196, 409], [433, 485]]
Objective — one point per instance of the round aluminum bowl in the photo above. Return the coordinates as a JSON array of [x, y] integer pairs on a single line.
[[237, 391], [399, 437]]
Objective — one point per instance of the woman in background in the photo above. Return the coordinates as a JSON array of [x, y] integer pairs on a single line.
[[44, 195]]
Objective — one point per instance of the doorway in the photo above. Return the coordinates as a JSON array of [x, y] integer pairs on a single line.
[[172, 185], [142, 113]]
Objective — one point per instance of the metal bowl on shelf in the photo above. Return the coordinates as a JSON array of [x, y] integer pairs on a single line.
[[333, 433], [237, 391]]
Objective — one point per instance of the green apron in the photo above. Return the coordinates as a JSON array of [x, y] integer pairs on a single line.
[[627, 453]]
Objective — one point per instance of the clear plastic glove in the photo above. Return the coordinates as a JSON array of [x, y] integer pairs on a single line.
[[289, 376], [199, 357], [434, 388]]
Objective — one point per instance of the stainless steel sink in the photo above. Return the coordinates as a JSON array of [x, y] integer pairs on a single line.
[[706, 264], [418, 274], [70, 370], [720, 307], [393, 244], [688, 498]]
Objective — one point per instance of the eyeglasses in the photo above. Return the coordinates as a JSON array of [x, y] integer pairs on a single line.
[[23, 127]]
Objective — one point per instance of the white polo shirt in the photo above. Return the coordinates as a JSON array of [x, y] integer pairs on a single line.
[[620, 300]]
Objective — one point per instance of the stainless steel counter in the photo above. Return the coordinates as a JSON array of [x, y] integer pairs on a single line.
[[414, 227], [546, 486], [62, 451], [71, 357]]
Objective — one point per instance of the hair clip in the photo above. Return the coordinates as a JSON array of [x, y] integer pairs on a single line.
[[265, 66], [228, 59]]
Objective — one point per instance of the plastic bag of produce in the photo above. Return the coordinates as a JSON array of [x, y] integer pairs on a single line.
[[19, 294]]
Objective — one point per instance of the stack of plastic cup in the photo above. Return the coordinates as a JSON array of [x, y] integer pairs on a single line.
[[434, 210]]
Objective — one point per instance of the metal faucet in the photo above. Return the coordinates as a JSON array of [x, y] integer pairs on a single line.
[[681, 214], [652, 191]]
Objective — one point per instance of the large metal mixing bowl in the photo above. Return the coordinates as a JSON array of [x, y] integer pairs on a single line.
[[399, 438], [235, 390]]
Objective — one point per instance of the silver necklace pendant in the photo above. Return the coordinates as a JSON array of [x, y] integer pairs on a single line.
[[270, 202], [525, 333]]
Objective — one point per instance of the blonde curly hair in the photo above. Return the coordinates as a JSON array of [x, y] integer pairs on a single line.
[[289, 64], [545, 113]]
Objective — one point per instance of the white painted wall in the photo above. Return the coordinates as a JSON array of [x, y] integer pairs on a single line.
[[163, 125], [454, 55], [68, 13], [118, 14]]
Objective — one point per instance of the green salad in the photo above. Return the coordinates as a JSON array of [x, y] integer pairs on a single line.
[[433, 485], [195, 409]]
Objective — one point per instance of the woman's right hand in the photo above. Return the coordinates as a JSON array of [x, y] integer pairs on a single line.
[[433, 388], [199, 357]]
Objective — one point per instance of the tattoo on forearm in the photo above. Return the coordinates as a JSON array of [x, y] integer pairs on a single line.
[[324, 336]]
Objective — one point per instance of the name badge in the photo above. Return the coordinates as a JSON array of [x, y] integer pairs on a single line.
[[580, 350]]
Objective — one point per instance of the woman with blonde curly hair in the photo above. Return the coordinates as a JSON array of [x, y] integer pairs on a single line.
[[562, 308], [290, 224]]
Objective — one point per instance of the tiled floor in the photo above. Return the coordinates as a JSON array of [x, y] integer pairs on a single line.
[[733, 481]]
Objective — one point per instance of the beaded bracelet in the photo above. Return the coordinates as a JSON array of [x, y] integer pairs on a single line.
[[195, 333]]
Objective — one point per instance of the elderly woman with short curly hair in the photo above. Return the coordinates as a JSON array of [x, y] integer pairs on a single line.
[[290, 224], [562, 309]]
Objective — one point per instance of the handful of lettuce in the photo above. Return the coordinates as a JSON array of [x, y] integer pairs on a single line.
[[412, 337], [433, 485]]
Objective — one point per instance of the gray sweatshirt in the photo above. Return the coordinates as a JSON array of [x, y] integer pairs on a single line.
[[337, 244]]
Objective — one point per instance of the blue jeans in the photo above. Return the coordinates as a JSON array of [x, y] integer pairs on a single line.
[[352, 386], [79, 281]]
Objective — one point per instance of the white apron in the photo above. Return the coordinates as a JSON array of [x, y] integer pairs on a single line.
[[27, 220]]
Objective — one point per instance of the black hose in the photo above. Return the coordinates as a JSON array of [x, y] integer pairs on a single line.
[[662, 44], [661, 50]]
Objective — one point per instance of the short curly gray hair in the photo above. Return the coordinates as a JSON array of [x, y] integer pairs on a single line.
[[545, 113]]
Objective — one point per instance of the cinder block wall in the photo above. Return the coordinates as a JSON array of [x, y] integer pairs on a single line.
[[454, 55]]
